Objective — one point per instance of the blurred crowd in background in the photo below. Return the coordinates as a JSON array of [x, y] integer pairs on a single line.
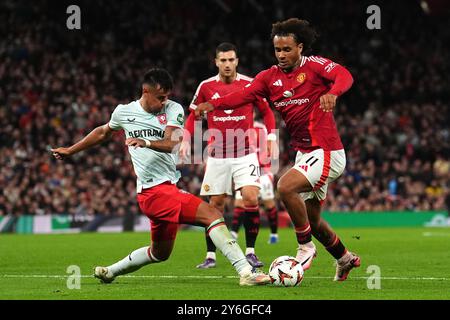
[[56, 85]]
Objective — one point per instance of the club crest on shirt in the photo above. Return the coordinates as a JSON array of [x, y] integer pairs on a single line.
[[206, 187], [301, 77], [180, 118], [162, 118]]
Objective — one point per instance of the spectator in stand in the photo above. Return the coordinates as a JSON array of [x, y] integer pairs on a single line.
[[56, 83]]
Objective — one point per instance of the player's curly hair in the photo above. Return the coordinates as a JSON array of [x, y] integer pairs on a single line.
[[301, 30]]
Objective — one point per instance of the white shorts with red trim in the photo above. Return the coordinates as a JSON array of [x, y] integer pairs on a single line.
[[220, 174], [266, 192], [320, 168]]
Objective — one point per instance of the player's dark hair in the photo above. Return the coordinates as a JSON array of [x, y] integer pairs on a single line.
[[158, 76], [301, 30], [226, 46]]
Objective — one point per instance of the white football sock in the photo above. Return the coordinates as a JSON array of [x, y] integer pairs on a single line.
[[249, 250], [211, 255], [309, 245], [134, 261], [221, 237]]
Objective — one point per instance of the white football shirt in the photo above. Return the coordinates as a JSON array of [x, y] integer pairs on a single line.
[[151, 167]]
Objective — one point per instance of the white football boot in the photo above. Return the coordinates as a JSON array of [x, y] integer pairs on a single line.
[[305, 254], [345, 264], [103, 274], [254, 278]]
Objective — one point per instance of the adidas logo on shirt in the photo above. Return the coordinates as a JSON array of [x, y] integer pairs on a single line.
[[278, 83], [215, 96]]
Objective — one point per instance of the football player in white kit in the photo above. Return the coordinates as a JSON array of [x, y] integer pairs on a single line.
[[153, 127]]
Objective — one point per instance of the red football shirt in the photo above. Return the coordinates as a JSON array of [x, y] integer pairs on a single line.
[[296, 96], [229, 128]]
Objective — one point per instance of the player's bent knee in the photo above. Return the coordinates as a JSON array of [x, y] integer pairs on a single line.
[[252, 202], [269, 204], [284, 189], [206, 214], [287, 187], [250, 198]]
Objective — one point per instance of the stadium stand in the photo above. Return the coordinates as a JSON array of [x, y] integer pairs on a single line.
[[58, 84]]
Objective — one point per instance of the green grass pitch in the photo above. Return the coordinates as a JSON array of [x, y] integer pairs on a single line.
[[414, 264]]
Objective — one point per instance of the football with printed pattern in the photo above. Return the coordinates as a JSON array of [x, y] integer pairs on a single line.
[[286, 271]]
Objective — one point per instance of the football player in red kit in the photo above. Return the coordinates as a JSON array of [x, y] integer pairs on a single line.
[[304, 89], [232, 158], [266, 194]]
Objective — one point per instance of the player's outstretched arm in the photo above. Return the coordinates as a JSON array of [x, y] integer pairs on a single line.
[[96, 136], [173, 136], [250, 93]]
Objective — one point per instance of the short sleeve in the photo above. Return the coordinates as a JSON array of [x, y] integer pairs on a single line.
[[322, 66], [114, 122], [175, 116], [198, 97]]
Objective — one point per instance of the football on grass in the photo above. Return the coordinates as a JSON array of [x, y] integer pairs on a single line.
[[286, 271]]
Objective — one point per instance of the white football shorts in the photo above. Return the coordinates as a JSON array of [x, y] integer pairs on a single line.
[[320, 168], [221, 173]]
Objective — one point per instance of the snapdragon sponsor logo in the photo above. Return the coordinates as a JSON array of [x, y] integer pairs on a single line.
[[291, 101], [233, 143], [229, 118]]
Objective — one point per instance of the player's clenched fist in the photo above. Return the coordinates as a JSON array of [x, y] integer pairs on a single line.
[[203, 108], [135, 142], [328, 102], [185, 150], [60, 153]]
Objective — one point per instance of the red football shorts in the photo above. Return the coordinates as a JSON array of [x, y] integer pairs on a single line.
[[167, 206]]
